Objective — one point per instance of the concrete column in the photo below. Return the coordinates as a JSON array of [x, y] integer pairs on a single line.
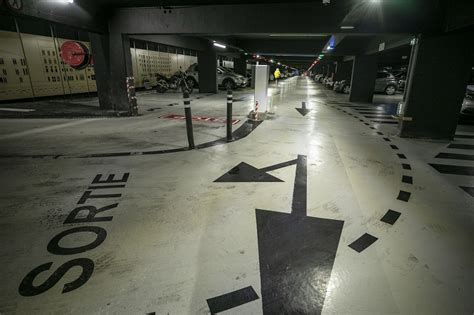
[[317, 69], [344, 70], [439, 72], [207, 71], [112, 64], [330, 69], [325, 70], [364, 73], [240, 66]]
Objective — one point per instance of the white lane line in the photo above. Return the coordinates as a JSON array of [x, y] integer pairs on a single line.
[[49, 128]]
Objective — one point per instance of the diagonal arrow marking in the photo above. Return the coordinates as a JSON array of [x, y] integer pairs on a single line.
[[247, 173], [244, 172]]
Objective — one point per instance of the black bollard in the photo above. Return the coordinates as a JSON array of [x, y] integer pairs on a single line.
[[229, 115], [189, 121]]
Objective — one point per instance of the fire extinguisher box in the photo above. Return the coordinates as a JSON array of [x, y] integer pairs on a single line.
[[261, 87]]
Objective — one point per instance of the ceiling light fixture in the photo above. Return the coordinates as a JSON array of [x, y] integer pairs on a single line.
[[219, 45], [298, 35], [347, 27]]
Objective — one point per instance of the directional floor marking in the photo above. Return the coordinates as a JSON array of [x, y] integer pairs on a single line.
[[247, 173], [303, 110], [296, 254], [230, 300], [363, 242]]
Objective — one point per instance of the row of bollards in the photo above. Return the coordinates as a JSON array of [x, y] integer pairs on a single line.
[[189, 118]]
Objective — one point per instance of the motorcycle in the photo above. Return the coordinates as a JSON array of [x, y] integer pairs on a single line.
[[177, 81]]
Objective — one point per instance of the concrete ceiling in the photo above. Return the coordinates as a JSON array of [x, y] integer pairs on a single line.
[[185, 3]]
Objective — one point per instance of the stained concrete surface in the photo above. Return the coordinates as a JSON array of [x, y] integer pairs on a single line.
[[177, 238]]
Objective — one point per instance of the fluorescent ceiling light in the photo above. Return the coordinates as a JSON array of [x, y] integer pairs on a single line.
[[297, 35], [347, 27], [219, 45]]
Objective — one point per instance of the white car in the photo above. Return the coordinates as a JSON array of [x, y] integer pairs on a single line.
[[225, 78], [468, 103]]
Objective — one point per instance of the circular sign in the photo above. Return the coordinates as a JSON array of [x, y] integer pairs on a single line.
[[16, 5], [75, 54]]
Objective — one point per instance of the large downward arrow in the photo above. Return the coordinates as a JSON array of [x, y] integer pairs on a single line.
[[296, 254], [303, 111]]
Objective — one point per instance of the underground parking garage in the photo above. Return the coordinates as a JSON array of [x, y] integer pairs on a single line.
[[236, 157]]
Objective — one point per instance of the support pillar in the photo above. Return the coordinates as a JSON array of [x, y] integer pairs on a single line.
[[344, 70], [240, 66], [364, 73], [439, 72], [112, 64], [330, 69], [207, 71]]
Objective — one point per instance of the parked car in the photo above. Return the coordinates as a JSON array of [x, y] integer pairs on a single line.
[[467, 107], [401, 78], [225, 79], [385, 82], [329, 83], [342, 86], [232, 72]]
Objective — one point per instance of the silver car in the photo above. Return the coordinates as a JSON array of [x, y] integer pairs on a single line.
[[468, 103], [386, 83], [225, 78]]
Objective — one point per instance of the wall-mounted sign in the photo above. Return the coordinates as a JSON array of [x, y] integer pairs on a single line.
[[16, 5], [381, 46], [75, 54]]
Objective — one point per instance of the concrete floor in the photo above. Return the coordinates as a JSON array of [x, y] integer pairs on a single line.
[[173, 240]]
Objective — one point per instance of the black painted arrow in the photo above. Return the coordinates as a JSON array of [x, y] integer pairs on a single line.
[[303, 111], [247, 173], [296, 254]]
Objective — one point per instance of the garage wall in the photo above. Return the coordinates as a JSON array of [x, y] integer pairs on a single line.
[[147, 63], [42, 73]]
